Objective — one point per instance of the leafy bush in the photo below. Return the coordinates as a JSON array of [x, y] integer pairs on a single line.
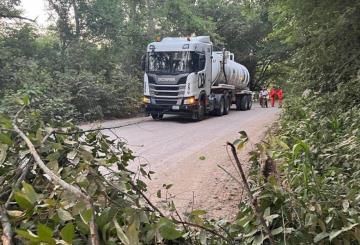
[[312, 196], [39, 209]]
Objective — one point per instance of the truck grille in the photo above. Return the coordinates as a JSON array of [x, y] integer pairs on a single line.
[[166, 102], [167, 94]]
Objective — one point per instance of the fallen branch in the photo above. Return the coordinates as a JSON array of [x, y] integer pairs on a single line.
[[58, 131], [253, 200], [22, 177], [24, 172], [66, 186]]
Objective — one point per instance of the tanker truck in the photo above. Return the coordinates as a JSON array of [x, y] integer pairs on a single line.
[[185, 76]]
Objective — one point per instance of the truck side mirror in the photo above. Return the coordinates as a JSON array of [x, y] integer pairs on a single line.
[[143, 62]]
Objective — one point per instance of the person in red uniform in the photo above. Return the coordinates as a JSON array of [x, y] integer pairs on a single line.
[[279, 94], [272, 96]]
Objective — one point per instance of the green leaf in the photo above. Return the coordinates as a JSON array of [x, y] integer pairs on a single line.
[[300, 147], [71, 155], [282, 144], [158, 193], [240, 146], [44, 232], [68, 232], [334, 234], [22, 200], [202, 158], [243, 135], [3, 153], [27, 234], [277, 231], [198, 212], [345, 205], [15, 213], [259, 239], [26, 100], [86, 215], [237, 141], [133, 234], [120, 233], [5, 139], [320, 236], [310, 219], [64, 215], [30, 193], [168, 230], [241, 142], [5, 122]]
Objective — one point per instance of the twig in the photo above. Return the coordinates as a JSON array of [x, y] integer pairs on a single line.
[[22, 177], [25, 171], [203, 228], [178, 215], [232, 176], [283, 222], [6, 237], [253, 200], [146, 198], [66, 186], [97, 129], [47, 136]]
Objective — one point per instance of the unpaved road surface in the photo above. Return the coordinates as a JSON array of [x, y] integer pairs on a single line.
[[187, 154]]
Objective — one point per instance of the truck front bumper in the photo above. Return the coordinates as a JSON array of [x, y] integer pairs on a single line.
[[171, 109]]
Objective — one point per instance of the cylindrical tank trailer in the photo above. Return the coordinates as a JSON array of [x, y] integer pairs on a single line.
[[226, 71]]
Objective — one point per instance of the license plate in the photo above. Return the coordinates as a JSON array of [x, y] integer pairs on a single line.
[[175, 107]]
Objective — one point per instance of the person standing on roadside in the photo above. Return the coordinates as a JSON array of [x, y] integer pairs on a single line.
[[263, 97], [273, 93], [280, 94]]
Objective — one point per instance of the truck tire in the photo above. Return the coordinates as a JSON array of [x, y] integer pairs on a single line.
[[238, 103], [249, 102], [200, 113], [157, 116], [243, 103], [220, 111], [227, 105]]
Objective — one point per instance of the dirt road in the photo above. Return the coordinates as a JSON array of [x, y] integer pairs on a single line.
[[186, 154]]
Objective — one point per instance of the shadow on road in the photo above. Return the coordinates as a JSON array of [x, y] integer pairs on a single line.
[[187, 119]]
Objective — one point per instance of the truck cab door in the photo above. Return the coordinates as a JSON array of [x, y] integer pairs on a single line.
[[208, 69]]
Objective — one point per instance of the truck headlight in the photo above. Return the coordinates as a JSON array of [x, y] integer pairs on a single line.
[[189, 101], [146, 100]]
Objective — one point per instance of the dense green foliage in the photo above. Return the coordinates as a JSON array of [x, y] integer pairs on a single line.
[[305, 179], [85, 66]]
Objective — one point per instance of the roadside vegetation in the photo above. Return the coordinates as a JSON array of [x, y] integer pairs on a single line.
[[58, 184]]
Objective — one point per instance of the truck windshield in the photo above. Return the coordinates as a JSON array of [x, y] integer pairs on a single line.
[[172, 62]]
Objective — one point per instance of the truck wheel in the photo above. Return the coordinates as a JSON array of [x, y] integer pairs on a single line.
[[238, 103], [157, 116], [249, 102], [221, 109], [227, 106], [243, 103], [200, 114]]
